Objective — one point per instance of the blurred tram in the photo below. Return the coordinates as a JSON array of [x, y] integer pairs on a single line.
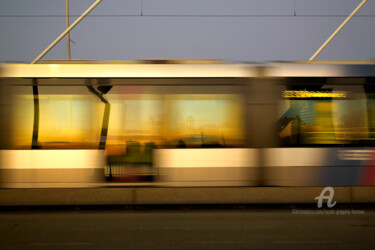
[[187, 123], [326, 124]]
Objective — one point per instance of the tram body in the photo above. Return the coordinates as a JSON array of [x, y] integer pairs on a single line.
[[197, 124], [325, 125]]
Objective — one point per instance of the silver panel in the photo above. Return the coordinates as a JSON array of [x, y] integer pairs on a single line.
[[193, 158], [208, 176], [51, 168], [207, 167], [295, 157], [293, 166], [335, 176], [315, 166], [51, 178], [291, 176], [51, 159]]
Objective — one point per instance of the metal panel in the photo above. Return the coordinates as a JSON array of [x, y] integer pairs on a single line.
[[51, 159], [207, 167], [313, 176], [333, 7], [218, 7], [317, 157], [296, 157], [319, 166], [51, 168], [199, 158]]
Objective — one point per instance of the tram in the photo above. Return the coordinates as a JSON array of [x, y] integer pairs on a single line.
[[187, 123]]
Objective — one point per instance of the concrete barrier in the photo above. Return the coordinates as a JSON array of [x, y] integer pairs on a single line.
[[66, 196], [169, 195], [363, 194]]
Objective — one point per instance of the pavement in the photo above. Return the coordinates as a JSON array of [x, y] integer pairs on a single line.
[[186, 227]]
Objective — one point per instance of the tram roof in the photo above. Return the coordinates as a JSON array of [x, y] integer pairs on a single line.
[[321, 69], [139, 69], [192, 68]]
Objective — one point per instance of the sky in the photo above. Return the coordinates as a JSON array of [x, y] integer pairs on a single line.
[[232, 30]]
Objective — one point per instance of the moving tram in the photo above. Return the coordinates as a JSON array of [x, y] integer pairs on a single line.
[[187, 123], [325, 125]]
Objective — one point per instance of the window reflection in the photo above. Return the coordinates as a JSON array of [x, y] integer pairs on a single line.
[[328, 121]]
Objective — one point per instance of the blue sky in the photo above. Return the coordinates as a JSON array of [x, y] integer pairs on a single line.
[[233, 30]]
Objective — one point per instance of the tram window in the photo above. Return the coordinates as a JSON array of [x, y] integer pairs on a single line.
[[135, 119], [172, 115], [69, 117], [205, 120], [165, 116], [329, 114]]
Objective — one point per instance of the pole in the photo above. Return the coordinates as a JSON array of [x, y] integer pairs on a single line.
[[68, 34], [66, 31], [338, 30], [35, 138]]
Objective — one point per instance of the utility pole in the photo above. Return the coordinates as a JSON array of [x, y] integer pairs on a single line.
[[68, 34]]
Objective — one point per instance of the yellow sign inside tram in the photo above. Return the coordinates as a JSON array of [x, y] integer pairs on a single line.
[[313, 94]]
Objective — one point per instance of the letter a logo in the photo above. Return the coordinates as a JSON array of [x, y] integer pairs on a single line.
[[327, 197]]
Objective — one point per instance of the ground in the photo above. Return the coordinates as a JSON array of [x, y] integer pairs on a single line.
[[186, 227]]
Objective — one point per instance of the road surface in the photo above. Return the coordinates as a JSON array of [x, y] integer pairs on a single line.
[[189, 228]]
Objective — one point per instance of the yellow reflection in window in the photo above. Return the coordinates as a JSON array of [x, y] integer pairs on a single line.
[[134, 117], [205, 119], [65, 121], [324, 122], [23, 116]]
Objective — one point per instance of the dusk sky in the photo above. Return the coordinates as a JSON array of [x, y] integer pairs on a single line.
[[233, 30]]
